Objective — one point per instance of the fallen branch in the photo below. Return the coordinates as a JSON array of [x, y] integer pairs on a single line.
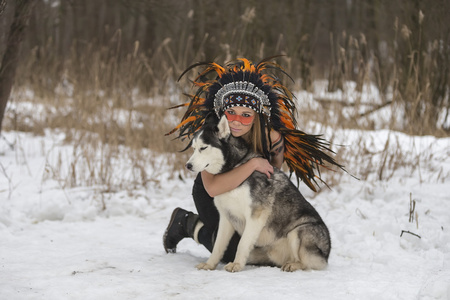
[[407, 231], [378, 107], [375, 107]]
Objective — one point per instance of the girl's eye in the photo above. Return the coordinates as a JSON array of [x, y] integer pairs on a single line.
[[230, 112], [247, 115]]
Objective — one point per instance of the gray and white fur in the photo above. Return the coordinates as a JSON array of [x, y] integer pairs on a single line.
[[277, 225]]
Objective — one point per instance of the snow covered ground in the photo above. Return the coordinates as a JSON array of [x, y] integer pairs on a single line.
[[81, 243]]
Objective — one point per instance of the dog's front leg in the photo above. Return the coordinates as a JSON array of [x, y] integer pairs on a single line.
[[249, 237], [224, 234]]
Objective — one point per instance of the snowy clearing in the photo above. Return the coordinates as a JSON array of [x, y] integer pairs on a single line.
[[82, 243]]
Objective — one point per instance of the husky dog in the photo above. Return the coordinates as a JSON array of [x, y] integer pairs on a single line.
[[277, 225]]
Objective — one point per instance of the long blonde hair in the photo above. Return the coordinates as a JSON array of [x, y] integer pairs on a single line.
[[255, 138]]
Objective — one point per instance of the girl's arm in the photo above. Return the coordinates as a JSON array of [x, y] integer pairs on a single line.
[[277, 149], [277, 157], [225, 182]]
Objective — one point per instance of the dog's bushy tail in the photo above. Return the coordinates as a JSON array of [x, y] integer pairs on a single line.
[[315, 246]]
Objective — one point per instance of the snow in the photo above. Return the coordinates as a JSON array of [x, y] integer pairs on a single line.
[[82, 242]]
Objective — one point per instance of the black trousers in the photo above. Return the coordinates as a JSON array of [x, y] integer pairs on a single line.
[[209, 215]]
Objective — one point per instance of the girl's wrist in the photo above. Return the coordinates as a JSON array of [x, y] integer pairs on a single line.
[[254, 164]]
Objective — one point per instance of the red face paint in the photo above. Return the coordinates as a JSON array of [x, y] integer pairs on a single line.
[[245, 119]]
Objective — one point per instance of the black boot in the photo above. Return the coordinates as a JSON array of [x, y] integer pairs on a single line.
[[182, 224]]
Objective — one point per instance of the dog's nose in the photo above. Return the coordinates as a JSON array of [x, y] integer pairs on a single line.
[[189, 166]]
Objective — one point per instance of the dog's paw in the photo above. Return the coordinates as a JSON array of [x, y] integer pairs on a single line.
[[233, 267], [291, 266], [204, 266]]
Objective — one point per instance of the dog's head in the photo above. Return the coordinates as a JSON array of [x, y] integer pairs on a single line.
[[208, 144]]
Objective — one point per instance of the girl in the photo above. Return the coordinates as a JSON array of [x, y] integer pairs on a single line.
[[260, 110]]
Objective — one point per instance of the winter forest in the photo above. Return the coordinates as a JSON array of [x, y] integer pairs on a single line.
[[88, 178]]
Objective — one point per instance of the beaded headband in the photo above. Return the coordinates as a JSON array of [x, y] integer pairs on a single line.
[[250, 96]]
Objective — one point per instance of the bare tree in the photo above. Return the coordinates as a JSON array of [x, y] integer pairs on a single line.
[[10, 58]]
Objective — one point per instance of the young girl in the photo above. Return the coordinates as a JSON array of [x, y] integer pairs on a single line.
[[260, 110]]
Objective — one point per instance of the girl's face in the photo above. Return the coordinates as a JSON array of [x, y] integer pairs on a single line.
[[240, 119]]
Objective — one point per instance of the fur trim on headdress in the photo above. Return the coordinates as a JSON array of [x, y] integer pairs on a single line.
[[303, 153]]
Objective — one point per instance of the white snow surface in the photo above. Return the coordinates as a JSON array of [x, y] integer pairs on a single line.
[[58, 242]]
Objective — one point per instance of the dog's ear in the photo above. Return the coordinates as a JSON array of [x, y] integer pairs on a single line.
[[224, 129], [211, 118]]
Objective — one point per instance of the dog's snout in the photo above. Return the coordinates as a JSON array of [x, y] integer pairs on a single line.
[[189, 166]]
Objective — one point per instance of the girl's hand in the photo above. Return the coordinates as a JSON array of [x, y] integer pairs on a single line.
[[262, 165]]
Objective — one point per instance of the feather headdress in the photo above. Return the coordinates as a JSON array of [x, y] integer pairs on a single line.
[[304, 154]]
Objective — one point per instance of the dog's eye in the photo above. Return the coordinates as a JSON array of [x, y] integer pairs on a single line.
[[203, 148]]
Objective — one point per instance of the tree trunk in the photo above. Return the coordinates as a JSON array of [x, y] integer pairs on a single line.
[[11, 56]]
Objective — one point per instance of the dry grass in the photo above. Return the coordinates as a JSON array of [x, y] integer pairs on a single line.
[[112, 107]]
